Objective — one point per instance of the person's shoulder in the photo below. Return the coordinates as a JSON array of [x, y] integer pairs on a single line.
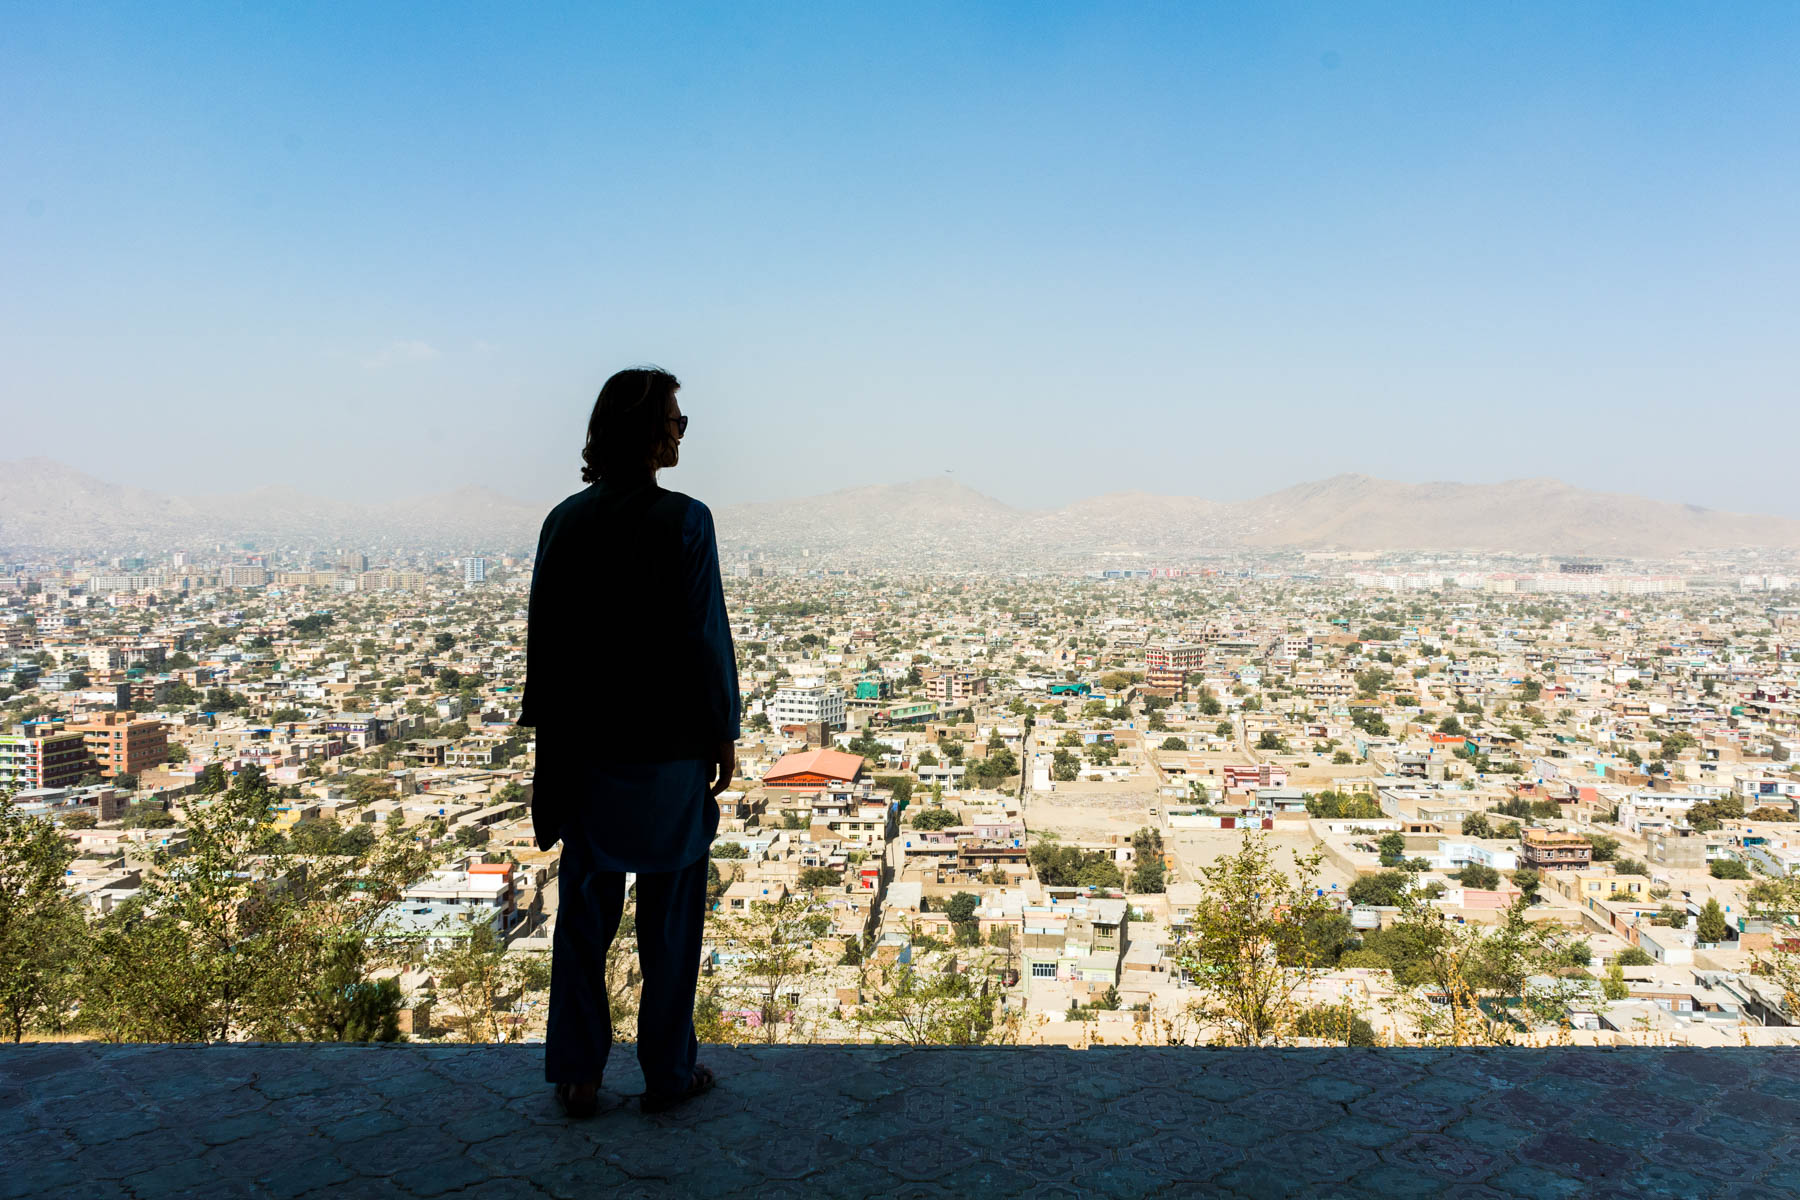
[[693, 510], [581, 499], [570, 505]]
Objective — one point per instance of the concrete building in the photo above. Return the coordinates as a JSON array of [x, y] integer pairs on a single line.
[[42, 755], [1549, 850], [1168, 664], [1676, 847], [446, 905], [121, 742], [953, 687], [808, 702]]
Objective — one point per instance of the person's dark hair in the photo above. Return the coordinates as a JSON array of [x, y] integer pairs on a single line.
[[630, 418]]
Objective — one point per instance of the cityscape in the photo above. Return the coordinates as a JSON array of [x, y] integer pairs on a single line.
[[970, 600], [1481, 801]]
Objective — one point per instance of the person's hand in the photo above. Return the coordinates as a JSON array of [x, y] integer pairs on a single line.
[[724, 767]]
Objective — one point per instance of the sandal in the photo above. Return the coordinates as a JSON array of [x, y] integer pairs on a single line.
[[574, 1107], [701, 1081]]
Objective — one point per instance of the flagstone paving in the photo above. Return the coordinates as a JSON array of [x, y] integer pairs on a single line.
[[417, 1121]]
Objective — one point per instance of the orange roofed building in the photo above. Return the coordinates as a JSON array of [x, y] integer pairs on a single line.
[[814, 769]]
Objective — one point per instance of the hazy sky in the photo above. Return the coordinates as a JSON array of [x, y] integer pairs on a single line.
[[1059, 250]]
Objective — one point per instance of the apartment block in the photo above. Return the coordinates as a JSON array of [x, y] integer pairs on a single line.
[[121, 742], [808, 702], [1168, 664], [953, 687], [42, 756]]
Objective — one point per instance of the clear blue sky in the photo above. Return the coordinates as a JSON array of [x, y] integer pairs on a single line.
[[1060, 250]]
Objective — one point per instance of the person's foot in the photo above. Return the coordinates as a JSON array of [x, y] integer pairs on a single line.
[[700, 1081], [579, 1100]]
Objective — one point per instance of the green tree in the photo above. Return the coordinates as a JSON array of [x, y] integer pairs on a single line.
[[147, 816], [813, 878], [473, 973], [1778, 902], [961, 910], [1711, 925], [1173, 743], [898, 786], [1482, 878], [1729, 868], [233, 935], [363, 789], [906, 1005], [1148, 876], [1476, 825], [1605, 848], [1632, 956], [1336, 1023], [1473, 981], [1384, 889], [771, 964], [933, 818], [1528, 881], [1061, 866], [1246, 948], [1326, 938], [212, 779], [43, 935], [1339, 806]]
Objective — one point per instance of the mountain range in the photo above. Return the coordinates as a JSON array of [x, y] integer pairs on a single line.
[[47, 506]]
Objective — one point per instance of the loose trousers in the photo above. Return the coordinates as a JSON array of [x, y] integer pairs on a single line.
[[671, 917]]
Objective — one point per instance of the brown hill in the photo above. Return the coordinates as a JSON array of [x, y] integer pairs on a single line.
[[46, 505]]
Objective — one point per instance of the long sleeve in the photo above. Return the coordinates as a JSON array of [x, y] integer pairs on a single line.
[[706, 603], [537, 629]]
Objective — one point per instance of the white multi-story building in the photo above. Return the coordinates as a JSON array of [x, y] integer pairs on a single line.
[[808, 702], [441, 909], [474, 571]]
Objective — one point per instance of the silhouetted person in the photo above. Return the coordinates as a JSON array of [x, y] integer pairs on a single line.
[[631, 683]]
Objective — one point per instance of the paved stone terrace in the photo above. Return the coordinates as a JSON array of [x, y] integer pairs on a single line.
[[83, 1120]]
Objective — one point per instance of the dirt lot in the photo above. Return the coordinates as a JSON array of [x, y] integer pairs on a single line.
[[1197, 848], [1077, 810]]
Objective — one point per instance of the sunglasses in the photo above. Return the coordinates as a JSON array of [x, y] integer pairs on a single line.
[[680, 425]]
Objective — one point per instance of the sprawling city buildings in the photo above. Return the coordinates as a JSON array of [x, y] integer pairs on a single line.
[[1026, 780]]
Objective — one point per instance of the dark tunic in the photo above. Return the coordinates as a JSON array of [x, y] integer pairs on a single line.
[[631, 677]]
